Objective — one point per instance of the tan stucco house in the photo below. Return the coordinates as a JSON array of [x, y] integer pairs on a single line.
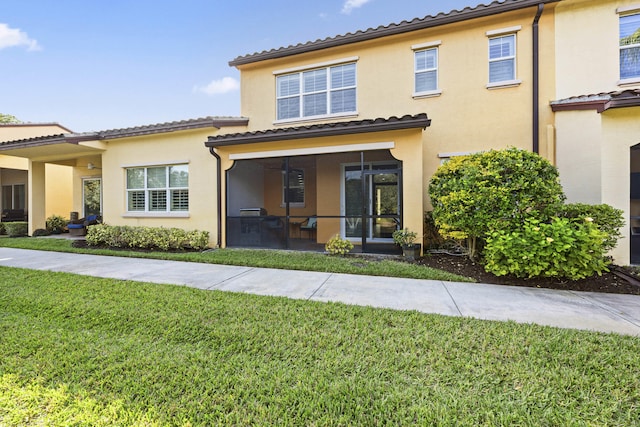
[[340, 135], [14, 176]]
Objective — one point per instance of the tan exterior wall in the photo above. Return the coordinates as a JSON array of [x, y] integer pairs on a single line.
[[59, 194], [587, 39], [620, 131], [12, 132], [579, 151], [593, 149], [57, 178], [466, 117], [327, 184], [156, 150]]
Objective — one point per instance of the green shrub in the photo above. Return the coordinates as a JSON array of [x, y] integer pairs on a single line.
[[496, 190], [404, 238], [560, 248], [17, 228], [40, 232], [56, 224], [608, 219], [338, 246], [2, 229], [151, 238]]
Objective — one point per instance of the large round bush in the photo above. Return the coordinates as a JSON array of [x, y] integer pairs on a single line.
[[496, 190]]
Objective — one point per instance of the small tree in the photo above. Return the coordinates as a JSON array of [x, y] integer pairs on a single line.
[[495, 190], [7, 118]]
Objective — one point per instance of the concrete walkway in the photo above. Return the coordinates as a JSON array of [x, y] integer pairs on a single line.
[[565, 309]]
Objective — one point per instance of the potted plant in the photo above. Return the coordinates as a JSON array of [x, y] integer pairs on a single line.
[[406, 240]]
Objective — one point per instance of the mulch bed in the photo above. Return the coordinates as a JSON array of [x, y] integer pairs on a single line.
[[461, 265]]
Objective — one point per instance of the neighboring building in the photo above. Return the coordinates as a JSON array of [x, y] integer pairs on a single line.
[[341, 135], [597, 109], [156, 175], [14, 175]]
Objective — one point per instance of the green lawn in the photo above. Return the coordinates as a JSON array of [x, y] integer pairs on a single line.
[[76, 350], [267, 258]]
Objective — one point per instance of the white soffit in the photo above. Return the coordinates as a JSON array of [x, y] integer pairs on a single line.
[[313, 150]]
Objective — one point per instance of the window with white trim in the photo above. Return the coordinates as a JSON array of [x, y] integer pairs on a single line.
[[318, 92], [158, 189], [426, 70], [295, 196], [502, 58], [630, 46]]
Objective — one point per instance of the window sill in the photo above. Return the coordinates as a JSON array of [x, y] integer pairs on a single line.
[[156, 215], [635, 81], [428, 94], [316, 118], [503, 85]]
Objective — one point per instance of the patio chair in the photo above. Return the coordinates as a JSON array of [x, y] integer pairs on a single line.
[[309, 225], [78, 227]]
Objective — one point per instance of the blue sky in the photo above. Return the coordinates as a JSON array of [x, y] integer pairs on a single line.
[[95, 65]]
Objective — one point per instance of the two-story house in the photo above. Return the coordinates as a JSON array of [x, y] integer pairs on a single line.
[[597, 109], [337, 136], [341, 135], [347, 130]]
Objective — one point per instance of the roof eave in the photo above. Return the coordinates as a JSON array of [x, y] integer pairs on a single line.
[[393, 29], [320, 131]]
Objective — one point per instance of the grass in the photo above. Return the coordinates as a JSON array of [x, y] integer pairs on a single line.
[[267, 258], [98, 352]]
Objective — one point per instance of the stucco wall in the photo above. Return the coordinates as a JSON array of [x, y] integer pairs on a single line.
[[579, 151], [156, 150], [466, 117], [587, 40]]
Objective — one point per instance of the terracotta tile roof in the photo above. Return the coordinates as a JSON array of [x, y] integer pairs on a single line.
[[322, 130], [175, 126], [429, 21], [599, 101]]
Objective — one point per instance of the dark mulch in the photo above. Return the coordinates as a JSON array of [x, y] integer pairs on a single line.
[[608, 282]]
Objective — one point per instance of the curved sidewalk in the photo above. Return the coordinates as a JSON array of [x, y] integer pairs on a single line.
[[565, 309]]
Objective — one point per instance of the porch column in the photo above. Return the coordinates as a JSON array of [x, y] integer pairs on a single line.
[[36, 191]]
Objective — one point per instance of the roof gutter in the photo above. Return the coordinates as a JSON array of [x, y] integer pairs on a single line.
[[218, 195], [536, 81]]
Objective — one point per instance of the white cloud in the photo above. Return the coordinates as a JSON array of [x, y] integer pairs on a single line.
[[217, 87], [349, 5], [12, 37]]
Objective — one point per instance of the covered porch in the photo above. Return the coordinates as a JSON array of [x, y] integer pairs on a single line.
[[296, 188], [62, 175]]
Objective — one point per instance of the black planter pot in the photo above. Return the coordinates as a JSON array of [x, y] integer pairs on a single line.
[[411, 253]]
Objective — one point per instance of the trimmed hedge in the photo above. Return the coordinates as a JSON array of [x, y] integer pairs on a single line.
[[17, 228], [150, 238]]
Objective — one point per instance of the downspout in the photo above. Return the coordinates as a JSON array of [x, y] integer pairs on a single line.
[[536, 80], [218, 194]]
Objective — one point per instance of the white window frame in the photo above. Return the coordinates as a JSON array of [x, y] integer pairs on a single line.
[[499, 34], [299, 72], [423, 47], [84, 180], [624, 13], [284, 189], [146, 191]]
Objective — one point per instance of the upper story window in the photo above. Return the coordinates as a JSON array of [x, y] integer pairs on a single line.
[[630, 47], [158, 189], [426, 70], [318, 92], [502, 58]]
